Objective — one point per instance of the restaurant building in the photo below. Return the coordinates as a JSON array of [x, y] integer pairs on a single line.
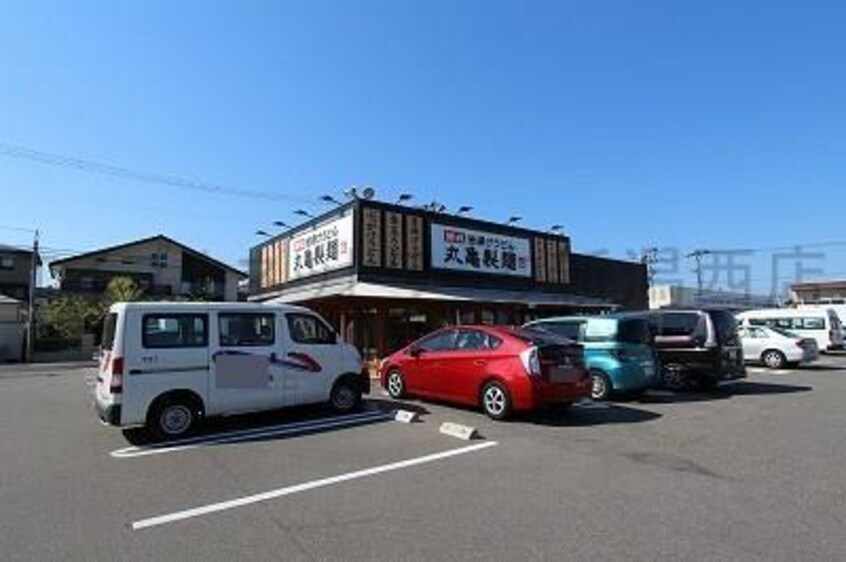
[[386, 274]]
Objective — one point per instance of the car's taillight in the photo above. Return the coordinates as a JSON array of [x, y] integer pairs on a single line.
[[531, 362], [116, 386]]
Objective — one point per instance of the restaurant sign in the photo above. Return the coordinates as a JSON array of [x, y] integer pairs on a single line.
[[462, 249], [321, 249]]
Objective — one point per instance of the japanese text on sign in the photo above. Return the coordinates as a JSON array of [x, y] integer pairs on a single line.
[[325, 248], [414, 240], [372, 237], [482, 252], [393, 240]]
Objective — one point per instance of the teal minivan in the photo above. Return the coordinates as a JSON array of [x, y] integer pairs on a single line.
[[618, 350]]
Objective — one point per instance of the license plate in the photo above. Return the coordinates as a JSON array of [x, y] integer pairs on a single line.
[[563, 374]]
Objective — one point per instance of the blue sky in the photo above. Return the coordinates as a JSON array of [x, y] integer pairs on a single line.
[[695, 124]]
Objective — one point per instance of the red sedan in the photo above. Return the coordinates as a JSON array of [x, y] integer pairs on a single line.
[[500, 369]]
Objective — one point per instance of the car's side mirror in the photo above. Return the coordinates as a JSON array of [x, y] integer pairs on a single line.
[[416, 352]]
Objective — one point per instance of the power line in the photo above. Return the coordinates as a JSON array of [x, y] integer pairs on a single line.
[[792, 247], [17, 228], [50, 159]]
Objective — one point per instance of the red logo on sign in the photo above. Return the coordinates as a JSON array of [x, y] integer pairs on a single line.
[[454, 237]]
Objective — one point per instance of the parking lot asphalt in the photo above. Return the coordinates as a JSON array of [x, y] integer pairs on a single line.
[[751, 471]]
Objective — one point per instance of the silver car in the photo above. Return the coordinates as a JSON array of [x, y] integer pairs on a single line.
[[775, 347]]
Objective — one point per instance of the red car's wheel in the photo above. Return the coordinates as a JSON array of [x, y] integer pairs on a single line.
[[496, 402], [396, 384]]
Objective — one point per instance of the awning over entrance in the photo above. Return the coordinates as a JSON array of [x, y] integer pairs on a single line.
[[354, 288]]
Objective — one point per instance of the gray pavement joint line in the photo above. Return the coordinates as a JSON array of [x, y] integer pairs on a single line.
[[306, 486], [234, 437]]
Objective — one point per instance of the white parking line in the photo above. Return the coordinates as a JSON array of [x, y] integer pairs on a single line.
[[244, 435], [306, 486], [765, 371]]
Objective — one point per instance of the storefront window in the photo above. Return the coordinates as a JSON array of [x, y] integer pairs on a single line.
[[467, 317], [503, 317]]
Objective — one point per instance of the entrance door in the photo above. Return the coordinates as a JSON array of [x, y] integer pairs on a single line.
[[244, 374]]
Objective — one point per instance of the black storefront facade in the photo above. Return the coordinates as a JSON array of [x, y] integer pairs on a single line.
[[385, 274]]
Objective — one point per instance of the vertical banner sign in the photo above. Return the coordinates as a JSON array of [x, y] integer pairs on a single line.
[[462, 249], [540, 260], [414, 241], [551, 261], [321, 249], [393, 240], [265, 265], [271, 264], [564, 261], [281, 261], [371, 236]]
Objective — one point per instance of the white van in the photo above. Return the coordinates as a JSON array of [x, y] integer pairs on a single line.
[[836, 305], [823, 325], [168, 365]]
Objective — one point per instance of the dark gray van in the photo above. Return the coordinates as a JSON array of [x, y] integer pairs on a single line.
[[696, 347]]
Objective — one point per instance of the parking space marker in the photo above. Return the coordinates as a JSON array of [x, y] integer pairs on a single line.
[[243, 435], [306, 486], [459, 431], [406, 416]]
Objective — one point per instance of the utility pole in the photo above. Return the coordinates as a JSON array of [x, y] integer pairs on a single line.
[[649, 259], [30, 316], [698, 255]]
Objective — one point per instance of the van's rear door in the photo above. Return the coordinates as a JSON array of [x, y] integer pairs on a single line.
[[107, 351], [728, 342]]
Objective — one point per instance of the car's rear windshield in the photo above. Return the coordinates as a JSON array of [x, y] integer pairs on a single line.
[[538, 337], [109, 329], [725, 326], [571, 330], [677, 323]]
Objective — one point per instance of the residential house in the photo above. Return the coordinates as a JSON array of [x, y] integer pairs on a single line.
[[161, 267], [819, 292], [16, 271], [11, 329]]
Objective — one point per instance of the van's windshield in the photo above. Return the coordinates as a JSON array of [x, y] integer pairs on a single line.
[[109, 329]]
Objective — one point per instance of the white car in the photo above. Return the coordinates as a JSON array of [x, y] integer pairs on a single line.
[[167, 365], [775, 347]]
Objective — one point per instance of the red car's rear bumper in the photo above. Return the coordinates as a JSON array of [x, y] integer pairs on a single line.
[[541, 394]]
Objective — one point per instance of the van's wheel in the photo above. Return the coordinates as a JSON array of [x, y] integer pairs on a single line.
[[395, 384], [346, 396], [774, 359], [172, 417], [673, 377], [495, 401], [601, 386]]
